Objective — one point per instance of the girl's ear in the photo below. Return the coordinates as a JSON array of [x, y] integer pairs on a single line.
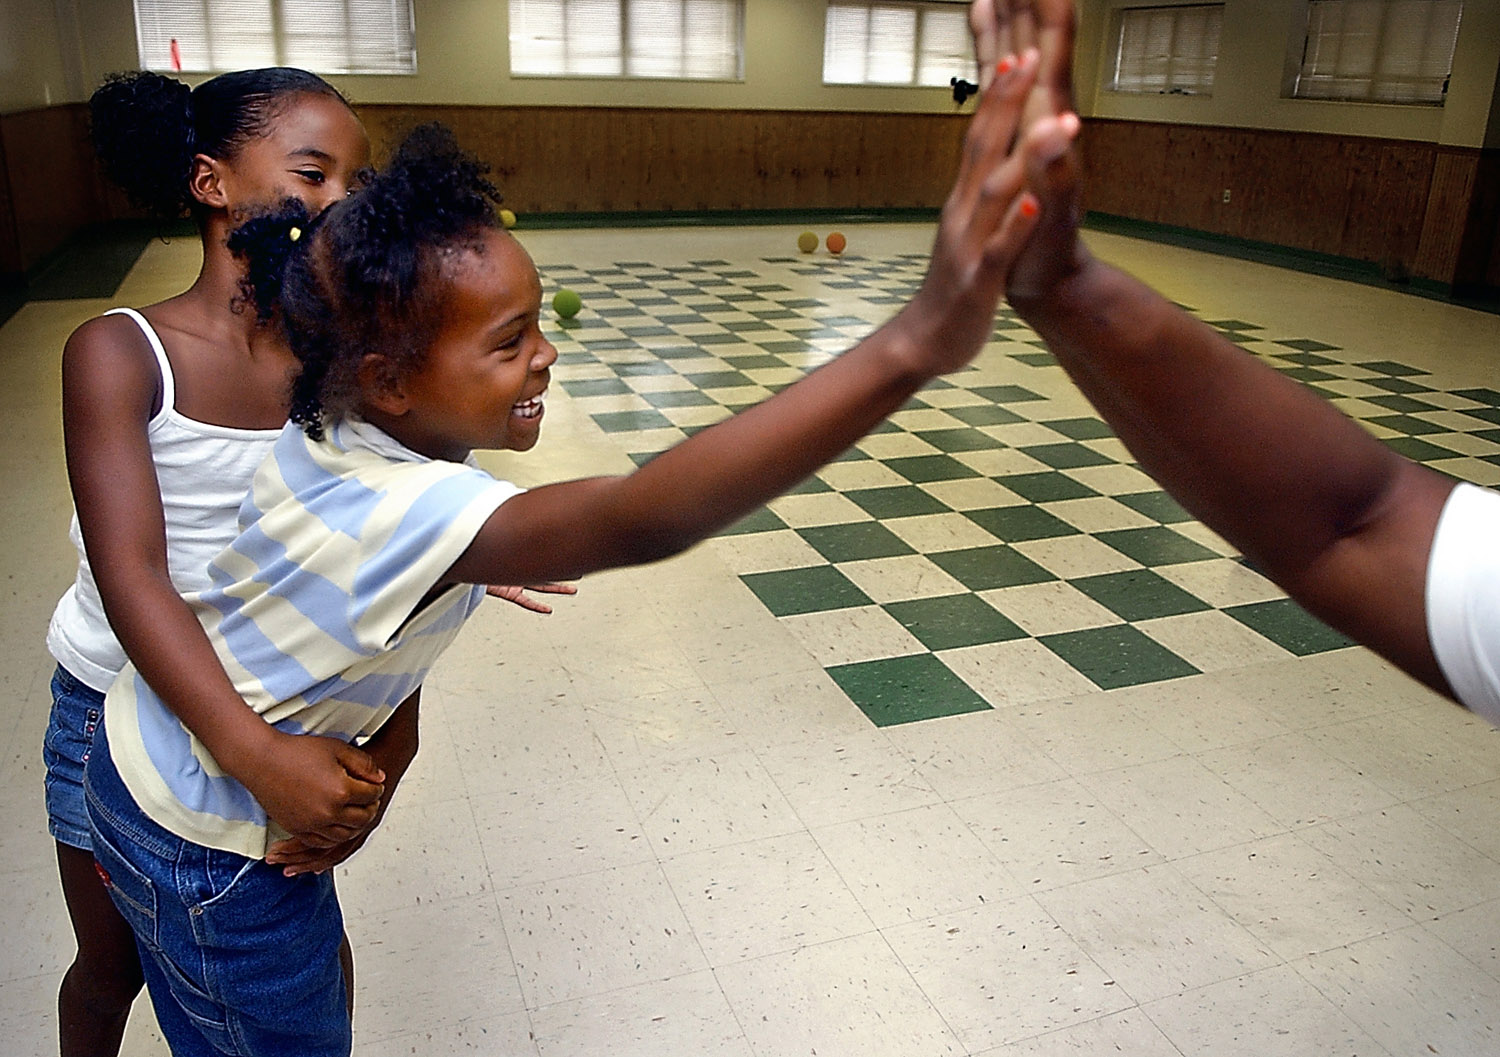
[[380, 386], [205, 182]]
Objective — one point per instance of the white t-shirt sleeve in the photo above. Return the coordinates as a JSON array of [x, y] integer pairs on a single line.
[[1463, 598]]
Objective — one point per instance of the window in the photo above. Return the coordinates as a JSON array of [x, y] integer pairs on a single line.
[[688, 39], [1167, 49], [325, 36], [1379, 51], [896, 42]]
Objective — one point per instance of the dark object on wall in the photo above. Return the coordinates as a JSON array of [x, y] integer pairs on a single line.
[[962, 89]]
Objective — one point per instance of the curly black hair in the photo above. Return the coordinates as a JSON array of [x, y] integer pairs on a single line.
[[146, 128], [357, 277]]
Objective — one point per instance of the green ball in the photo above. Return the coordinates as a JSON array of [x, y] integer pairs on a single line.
[[807, 242], [566, 303]]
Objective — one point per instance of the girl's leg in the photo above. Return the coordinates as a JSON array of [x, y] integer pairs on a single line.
[[101, 984], [94, 1000], [346, 959]]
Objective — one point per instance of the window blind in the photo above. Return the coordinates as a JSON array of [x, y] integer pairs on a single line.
[[896, 42], [689, 39], [1379, 51], [1167, 49], [325, 36]]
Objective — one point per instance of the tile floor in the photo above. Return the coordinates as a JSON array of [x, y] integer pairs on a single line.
[[976, 744]]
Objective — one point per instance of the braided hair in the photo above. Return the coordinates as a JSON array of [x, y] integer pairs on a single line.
[[146, 128], [358, 278]]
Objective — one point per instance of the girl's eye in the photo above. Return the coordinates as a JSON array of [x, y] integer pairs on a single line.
[[311, 175]]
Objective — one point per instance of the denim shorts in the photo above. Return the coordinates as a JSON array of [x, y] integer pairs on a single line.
[[76, 712], [239, 959]]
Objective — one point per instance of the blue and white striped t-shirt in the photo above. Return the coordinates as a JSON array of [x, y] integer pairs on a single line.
[[313, 613]]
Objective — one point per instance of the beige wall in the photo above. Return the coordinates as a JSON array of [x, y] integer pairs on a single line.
[[32, 69], [463, 58], [56, 50], [1260, 38]]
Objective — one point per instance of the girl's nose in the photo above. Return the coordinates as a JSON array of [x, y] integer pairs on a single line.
[[546, 356]]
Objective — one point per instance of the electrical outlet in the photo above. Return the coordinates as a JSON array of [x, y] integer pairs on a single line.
[[1226, 194]]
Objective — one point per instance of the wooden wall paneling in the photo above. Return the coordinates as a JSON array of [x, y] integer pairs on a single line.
[[1452, 188], [1237, 152], [1125, 161], [1306, 193], [773, 160], [1477, 252], [50, 170], [10, 246], [1191, 180], [1388, 189]]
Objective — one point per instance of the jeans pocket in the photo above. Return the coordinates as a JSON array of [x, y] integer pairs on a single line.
[[132, 891]]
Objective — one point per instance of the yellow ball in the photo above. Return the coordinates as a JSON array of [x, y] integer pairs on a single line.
[[507, 218], [807, 242]]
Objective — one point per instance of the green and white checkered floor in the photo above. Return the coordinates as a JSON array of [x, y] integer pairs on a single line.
[[994, 514]]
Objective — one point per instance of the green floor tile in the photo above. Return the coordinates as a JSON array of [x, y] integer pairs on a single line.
[[1014, 524], [1007, 394], [1139, 594], [753, 362], [817, 589], [719, 379], [1307, 345], [906, 689], [859, 541], [1392, 368], [809, 486], [1483, 396], [631, 421], [1307, 374], [1081, 428], [763, 520], [1402, 404], [1158, 506], [1419, 450], [1048, 487], [637, 370], [897, 501], [1290, 626], [596, 387], [1066, 456], [1398, 385], [1036, 359], [922, 469], [1156, 546], [984, 568], [1408, 424], [959, 440], [984, 415], [677, 398], [953, 621], [1118, 655]]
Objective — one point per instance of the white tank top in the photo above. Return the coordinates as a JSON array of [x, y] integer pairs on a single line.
[[204, 474]]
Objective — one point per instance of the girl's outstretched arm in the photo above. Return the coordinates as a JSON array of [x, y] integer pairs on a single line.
[[724, 473], [1337, 519], [318, 788]]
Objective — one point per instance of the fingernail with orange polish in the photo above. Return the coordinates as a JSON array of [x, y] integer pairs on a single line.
[[1005, 65], [1029, 208]]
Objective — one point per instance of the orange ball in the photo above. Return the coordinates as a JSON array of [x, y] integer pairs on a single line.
[[836, 243]]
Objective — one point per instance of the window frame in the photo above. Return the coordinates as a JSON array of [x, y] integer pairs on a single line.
[[1298, 69], [1119, 17], [624, 55], [919, 7], [279, 36]]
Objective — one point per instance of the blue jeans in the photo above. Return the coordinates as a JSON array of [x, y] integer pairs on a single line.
[[239, 959], [77, 710]]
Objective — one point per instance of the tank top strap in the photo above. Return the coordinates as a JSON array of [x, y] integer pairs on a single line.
[[163, 365]]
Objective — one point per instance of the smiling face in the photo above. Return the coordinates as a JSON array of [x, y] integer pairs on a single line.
[[313, 149], [483, 376]]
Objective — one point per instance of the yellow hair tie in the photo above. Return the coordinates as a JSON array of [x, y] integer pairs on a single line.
[[294, 234]]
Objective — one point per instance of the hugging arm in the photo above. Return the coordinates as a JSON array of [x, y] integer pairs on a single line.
[[1338, 520], [317, 787]]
